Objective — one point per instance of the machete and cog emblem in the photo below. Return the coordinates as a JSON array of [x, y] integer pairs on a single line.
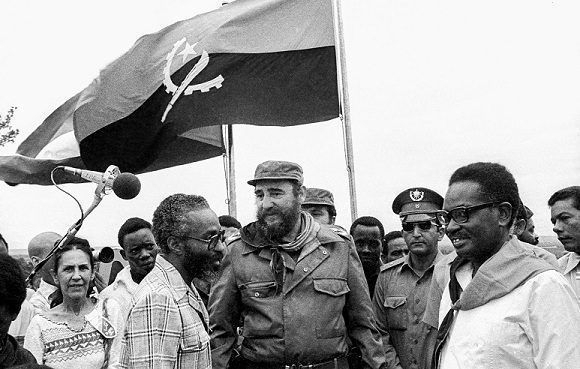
[[184, 88]]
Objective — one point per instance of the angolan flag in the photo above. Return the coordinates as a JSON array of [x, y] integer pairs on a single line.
[[258, 62]]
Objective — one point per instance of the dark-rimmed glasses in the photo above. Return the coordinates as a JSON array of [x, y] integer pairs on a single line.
[[423, 226], [461, 213], [211, 242]]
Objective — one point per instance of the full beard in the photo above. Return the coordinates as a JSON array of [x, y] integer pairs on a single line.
[[277, 231], [202, 266]]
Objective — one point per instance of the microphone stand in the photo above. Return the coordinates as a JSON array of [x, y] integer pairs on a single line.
[[100, 192]]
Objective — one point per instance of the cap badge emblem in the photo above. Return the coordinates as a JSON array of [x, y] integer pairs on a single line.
[[416, 195]]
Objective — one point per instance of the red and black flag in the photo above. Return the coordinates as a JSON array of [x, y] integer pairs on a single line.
[[163, 102]]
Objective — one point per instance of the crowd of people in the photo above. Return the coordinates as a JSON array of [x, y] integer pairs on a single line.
[[294, 290]]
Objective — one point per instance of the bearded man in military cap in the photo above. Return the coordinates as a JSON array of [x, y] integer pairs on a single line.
[[402, 286], [299, 286]]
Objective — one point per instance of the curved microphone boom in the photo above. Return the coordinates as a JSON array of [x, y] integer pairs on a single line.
[[124, 185]]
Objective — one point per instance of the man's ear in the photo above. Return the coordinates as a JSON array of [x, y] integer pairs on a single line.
[[302, 193], [505, 213], [123, 254], [174, 245], [440, 233], [35, 260]]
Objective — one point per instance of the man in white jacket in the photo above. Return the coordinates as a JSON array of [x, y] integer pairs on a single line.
[[497, 304]]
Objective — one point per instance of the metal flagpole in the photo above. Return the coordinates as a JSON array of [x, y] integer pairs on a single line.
[[230, 170], [229, 164], [344, 114]]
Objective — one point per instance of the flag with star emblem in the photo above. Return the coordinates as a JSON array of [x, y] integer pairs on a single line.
[[163, 102]]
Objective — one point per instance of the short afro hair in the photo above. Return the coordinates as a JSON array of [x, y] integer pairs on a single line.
[[496, 182], [169, 217], [392, 235], [572, 192], [369, 222], [131, 225], [229, 221], [524, 212], [12, 284]]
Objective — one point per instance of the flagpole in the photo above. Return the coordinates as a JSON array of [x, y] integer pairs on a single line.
[[230, 170], [229, 163], [344, 105]]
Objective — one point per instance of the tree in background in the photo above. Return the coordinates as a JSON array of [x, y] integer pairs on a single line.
[[7, 133]]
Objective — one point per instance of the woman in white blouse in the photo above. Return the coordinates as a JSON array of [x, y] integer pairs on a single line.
[[80, 332]]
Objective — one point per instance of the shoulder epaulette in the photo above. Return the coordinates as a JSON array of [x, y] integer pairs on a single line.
[[393, 263], [340, 231], [232, 238]]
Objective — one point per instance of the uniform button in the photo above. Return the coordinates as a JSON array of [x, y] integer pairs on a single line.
[[324, 252], [305, 269], [257, 294], [416, 341], [417, 301]]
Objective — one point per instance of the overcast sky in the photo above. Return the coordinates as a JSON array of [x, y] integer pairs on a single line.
[[433, 86]]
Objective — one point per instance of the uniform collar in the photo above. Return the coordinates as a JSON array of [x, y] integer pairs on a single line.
[[407, 261], [573, 259]]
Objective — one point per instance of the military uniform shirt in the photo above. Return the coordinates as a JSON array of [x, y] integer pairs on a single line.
[[399, 303]]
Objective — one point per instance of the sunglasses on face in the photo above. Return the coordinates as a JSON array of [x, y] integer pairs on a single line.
[[461, 213], [212, 242], [423, 226]]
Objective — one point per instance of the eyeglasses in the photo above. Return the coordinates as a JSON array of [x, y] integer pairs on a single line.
[[461, 214], [423, 226], [371, 244], [211, 242]]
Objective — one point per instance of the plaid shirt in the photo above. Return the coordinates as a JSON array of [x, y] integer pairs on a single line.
[[168, 324]]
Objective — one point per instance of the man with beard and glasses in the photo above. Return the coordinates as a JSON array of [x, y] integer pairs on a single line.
[[402, 287], [298, 285], [367, 234], [168, 325], [497, 304]]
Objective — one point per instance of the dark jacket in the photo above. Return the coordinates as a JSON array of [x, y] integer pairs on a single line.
[[11, 354], [324, 299]]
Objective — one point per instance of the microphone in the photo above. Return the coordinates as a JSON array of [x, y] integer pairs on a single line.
[[124, 185]]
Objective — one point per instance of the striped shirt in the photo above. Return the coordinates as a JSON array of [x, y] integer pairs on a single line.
[[167, 326]]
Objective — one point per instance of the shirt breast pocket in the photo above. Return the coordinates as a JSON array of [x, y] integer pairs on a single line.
[[194, 337], [396, 311], [331, 324], [259, 290]]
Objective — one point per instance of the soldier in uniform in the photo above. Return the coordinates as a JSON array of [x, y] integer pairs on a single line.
[[320, 204], [299, 286], [402, 287]]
